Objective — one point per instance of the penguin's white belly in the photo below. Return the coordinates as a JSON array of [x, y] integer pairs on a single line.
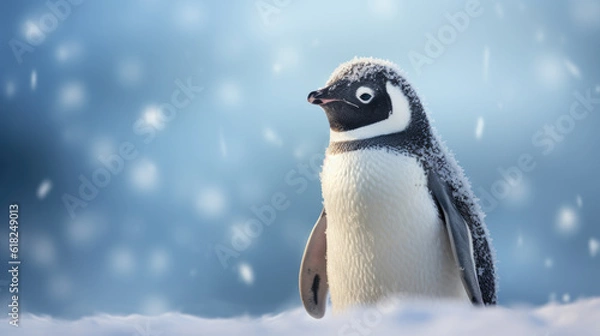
[[384, 235]]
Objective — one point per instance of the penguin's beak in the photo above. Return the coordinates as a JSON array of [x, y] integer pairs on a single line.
[[319, 97], [323, 96]]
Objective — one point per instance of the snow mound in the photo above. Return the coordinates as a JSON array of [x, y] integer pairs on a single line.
[[417, 318]]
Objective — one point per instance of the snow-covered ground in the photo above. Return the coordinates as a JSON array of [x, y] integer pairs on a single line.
[[580, 318]]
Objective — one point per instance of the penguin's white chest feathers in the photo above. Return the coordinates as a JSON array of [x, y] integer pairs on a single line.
[[384, 234]]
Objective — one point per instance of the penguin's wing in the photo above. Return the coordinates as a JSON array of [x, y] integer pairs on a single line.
[[313, 270], [459, 234]]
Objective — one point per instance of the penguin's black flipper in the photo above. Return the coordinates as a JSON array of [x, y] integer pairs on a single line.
[[459, 234], [313, 270]]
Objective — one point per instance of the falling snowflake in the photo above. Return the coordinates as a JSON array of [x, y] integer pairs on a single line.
[[383, 9], [222, 143], [102, 148], [33, 80], [43, 189], [229, 94], [211, 202], [152, 116], [550, 71], [272, 137], [144, 175], [539, 35], [572, 68], [519, 193], [548, 263], [83, 230], [10, 89], [594, 247], [43, 251], [520, 240], [567, 221], [246, 273], [189, 16], [499, 10], [486, 63], [130, 71], [121, 261], [579, 201], [71, 96], [302, 150], [154, 305], [68, 51], [158, 262], [33, 34], [285, 59], [566, 297], [479, 128], [59, 286]]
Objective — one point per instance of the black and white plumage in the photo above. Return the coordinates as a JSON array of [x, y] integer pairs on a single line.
[[399, 215]]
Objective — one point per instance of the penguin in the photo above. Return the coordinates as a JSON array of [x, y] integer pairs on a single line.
[[399, 217]]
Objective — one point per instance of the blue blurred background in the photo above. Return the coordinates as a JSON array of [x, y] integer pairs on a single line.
[[147, 241]]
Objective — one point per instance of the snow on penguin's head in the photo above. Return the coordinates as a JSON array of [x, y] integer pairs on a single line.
[[366, 98], [361, 68]]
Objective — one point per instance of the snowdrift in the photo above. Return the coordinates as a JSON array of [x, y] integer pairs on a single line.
[[580, 318]]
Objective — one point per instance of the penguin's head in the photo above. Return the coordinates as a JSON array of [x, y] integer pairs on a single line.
[[366, 98]]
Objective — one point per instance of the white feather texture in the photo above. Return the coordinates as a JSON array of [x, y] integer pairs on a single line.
[[384, 235]]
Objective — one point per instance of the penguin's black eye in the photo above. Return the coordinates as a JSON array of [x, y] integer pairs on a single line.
[[365, 94]]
